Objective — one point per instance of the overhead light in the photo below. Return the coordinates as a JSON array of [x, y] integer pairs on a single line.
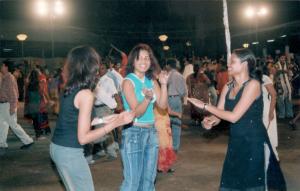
[[166, 47], [271, 40], [188, 43], [58, 8], [255, 43], [163, 37], [42, 7], [250, 12], [22, 37], [263, 11], [246, 45], [283, 36]]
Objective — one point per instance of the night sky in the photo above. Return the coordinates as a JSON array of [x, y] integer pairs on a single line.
[[125, 23]]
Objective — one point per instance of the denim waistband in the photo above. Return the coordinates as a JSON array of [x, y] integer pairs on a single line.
[[131, 125]]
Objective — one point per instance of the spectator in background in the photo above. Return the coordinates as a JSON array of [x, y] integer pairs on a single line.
[[33, 104], [284, 89], [198, 87], [8, 109], [177, 89], [210, 72], [43, 121], [166, 153], [222, 77], [269, 112], [188, 70], [20, 81]]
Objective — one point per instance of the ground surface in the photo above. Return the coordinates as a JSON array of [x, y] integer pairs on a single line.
[[198, 167]]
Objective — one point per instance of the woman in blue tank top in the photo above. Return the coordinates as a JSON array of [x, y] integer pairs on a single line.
[[139, 147], [250, 162], [73, 127]]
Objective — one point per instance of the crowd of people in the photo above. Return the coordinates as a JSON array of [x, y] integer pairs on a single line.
[[133, 106]]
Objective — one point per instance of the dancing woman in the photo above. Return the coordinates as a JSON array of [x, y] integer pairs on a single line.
[[74, 121], [139, 147], [250, 163]]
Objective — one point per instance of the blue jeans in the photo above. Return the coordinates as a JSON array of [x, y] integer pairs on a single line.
[[72, 168], [176, 132], [284, 107], [175, 103], [139, 151]]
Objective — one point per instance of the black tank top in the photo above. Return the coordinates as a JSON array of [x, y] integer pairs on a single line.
[[65, 133]]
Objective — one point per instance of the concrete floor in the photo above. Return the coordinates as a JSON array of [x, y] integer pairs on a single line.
[[198, 167]]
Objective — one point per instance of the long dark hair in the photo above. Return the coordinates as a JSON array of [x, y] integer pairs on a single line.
[[82, 68], [135, 54], [33, 81], [246, 55]]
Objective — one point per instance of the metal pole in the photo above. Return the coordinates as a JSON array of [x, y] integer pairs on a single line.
[[227, 32], [52, 35], [22, 48]]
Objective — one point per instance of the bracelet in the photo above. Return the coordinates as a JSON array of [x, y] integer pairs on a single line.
[[204, 107]]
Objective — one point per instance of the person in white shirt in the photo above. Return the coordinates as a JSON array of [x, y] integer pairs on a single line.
[[114, 75], [188, 70], [105, 103]]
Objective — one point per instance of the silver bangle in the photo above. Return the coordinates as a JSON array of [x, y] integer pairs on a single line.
[[204, 107]]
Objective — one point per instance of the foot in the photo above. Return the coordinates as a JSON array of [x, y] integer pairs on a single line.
[[27, 146], [89, 159], [39, 138], [111, 158], [3, 150], [171, 170], [101, 153], [292, 125]]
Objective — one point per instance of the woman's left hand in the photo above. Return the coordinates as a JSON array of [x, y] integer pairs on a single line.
[[163, 77], [196, 102]]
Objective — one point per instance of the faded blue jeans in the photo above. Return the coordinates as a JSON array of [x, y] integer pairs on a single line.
[[284, 107], [139, 151], [176, 132], [175, 103], [72, 168]]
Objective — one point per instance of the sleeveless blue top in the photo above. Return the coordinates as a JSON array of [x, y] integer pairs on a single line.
[[139, 85]]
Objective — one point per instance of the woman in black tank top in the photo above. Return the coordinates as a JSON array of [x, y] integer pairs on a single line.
[[74, 121], [250, 163]]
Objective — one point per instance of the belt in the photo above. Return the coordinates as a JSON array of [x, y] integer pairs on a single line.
[[101, 105], [173, 95], [137, 125], [147, 125]]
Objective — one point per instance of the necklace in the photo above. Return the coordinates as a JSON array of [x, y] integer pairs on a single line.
[[236, 88]]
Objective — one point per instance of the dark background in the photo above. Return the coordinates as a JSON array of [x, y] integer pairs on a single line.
[[126, 23]]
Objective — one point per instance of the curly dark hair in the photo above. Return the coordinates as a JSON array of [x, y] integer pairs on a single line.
[[82, 69], [135, 54]]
